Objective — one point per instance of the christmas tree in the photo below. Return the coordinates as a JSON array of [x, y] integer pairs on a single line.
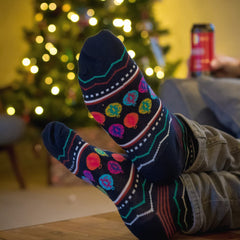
[[47, 88]]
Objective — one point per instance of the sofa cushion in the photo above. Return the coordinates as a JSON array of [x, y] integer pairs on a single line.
[[183, 96], [223, 97]]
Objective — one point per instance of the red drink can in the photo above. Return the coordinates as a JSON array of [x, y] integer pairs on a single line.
[[202, 40]]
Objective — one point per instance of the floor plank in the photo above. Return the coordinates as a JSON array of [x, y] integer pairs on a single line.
[[108, 226]]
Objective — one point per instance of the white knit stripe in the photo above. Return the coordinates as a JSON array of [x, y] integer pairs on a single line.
[[144, 213], [78, 158], [127, 185], [156, 152], [114, 92]]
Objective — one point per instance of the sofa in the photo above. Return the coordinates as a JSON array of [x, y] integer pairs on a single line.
[[209, 101]]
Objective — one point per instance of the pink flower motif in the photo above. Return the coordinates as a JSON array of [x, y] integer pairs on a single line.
[[143, 87], [116, 130]]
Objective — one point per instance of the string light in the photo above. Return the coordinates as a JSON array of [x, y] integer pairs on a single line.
[[127, 25], [93, 21], [26, 62], [39, 17], [73, 17], [39, 39], [70, 66], [45, 57], [48, 46], [160, 74], [71, 75], [66, 7], [127, 28], [149, 71], [90, 12], [64, 58], [48, 80], [44, 6], [131, 53], [121, 38], [10, 111], [132, 1], [34, 69], [51, 28], [53, 51], [39, 110], [52, 6], [118, 2], [144, 34], [55, 90], [77, 56], [118, 22]]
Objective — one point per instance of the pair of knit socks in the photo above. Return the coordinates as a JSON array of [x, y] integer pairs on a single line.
[[144, 183]]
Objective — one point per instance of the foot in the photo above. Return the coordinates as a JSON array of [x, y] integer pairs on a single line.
[[149, 210], [119, 99]]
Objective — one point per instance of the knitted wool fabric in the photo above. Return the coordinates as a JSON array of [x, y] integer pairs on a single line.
[[119, 99], [149, 210]]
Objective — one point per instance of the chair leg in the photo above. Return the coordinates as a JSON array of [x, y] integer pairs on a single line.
[[13, 159]]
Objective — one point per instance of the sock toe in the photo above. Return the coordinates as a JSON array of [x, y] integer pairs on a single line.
[[98, 52], [54, 136]]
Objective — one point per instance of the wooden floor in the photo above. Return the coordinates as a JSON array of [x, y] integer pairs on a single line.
[[99, 227]]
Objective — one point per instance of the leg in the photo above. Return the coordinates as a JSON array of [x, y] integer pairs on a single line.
[[149, 210], [119, 98], [215, 200], [217, 151]]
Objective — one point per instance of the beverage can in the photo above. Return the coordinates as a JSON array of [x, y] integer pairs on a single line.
[[202, 52]]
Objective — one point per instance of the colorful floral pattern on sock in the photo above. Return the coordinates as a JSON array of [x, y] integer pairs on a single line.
[[127, 108], [163, 209]]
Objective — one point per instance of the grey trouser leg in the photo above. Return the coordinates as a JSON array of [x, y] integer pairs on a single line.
[[213, 181]]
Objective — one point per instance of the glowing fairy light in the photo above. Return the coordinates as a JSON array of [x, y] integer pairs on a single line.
[[48, 80], [45, 57], [73, 17], [70, 66], [90, 12], [44, 6], [71, 76], [118, 2], [39, 17], [10, 111], [121, 38], [160, 74], [39, 110], [53, 51], [118, 22], [55, 90], [26, 62], [131, 53], [127, 28], [52, 6], [77, 56], [52, 28], [34, 69], [64, 58], [93, 21], [48, 46], [39, 39], [66, 7], [149, 71]]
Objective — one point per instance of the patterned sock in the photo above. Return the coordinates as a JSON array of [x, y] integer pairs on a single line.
[[119, 98], [149, 210]]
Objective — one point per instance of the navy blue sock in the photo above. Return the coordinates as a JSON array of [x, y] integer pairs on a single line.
[[149, 210], [119, 99]]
